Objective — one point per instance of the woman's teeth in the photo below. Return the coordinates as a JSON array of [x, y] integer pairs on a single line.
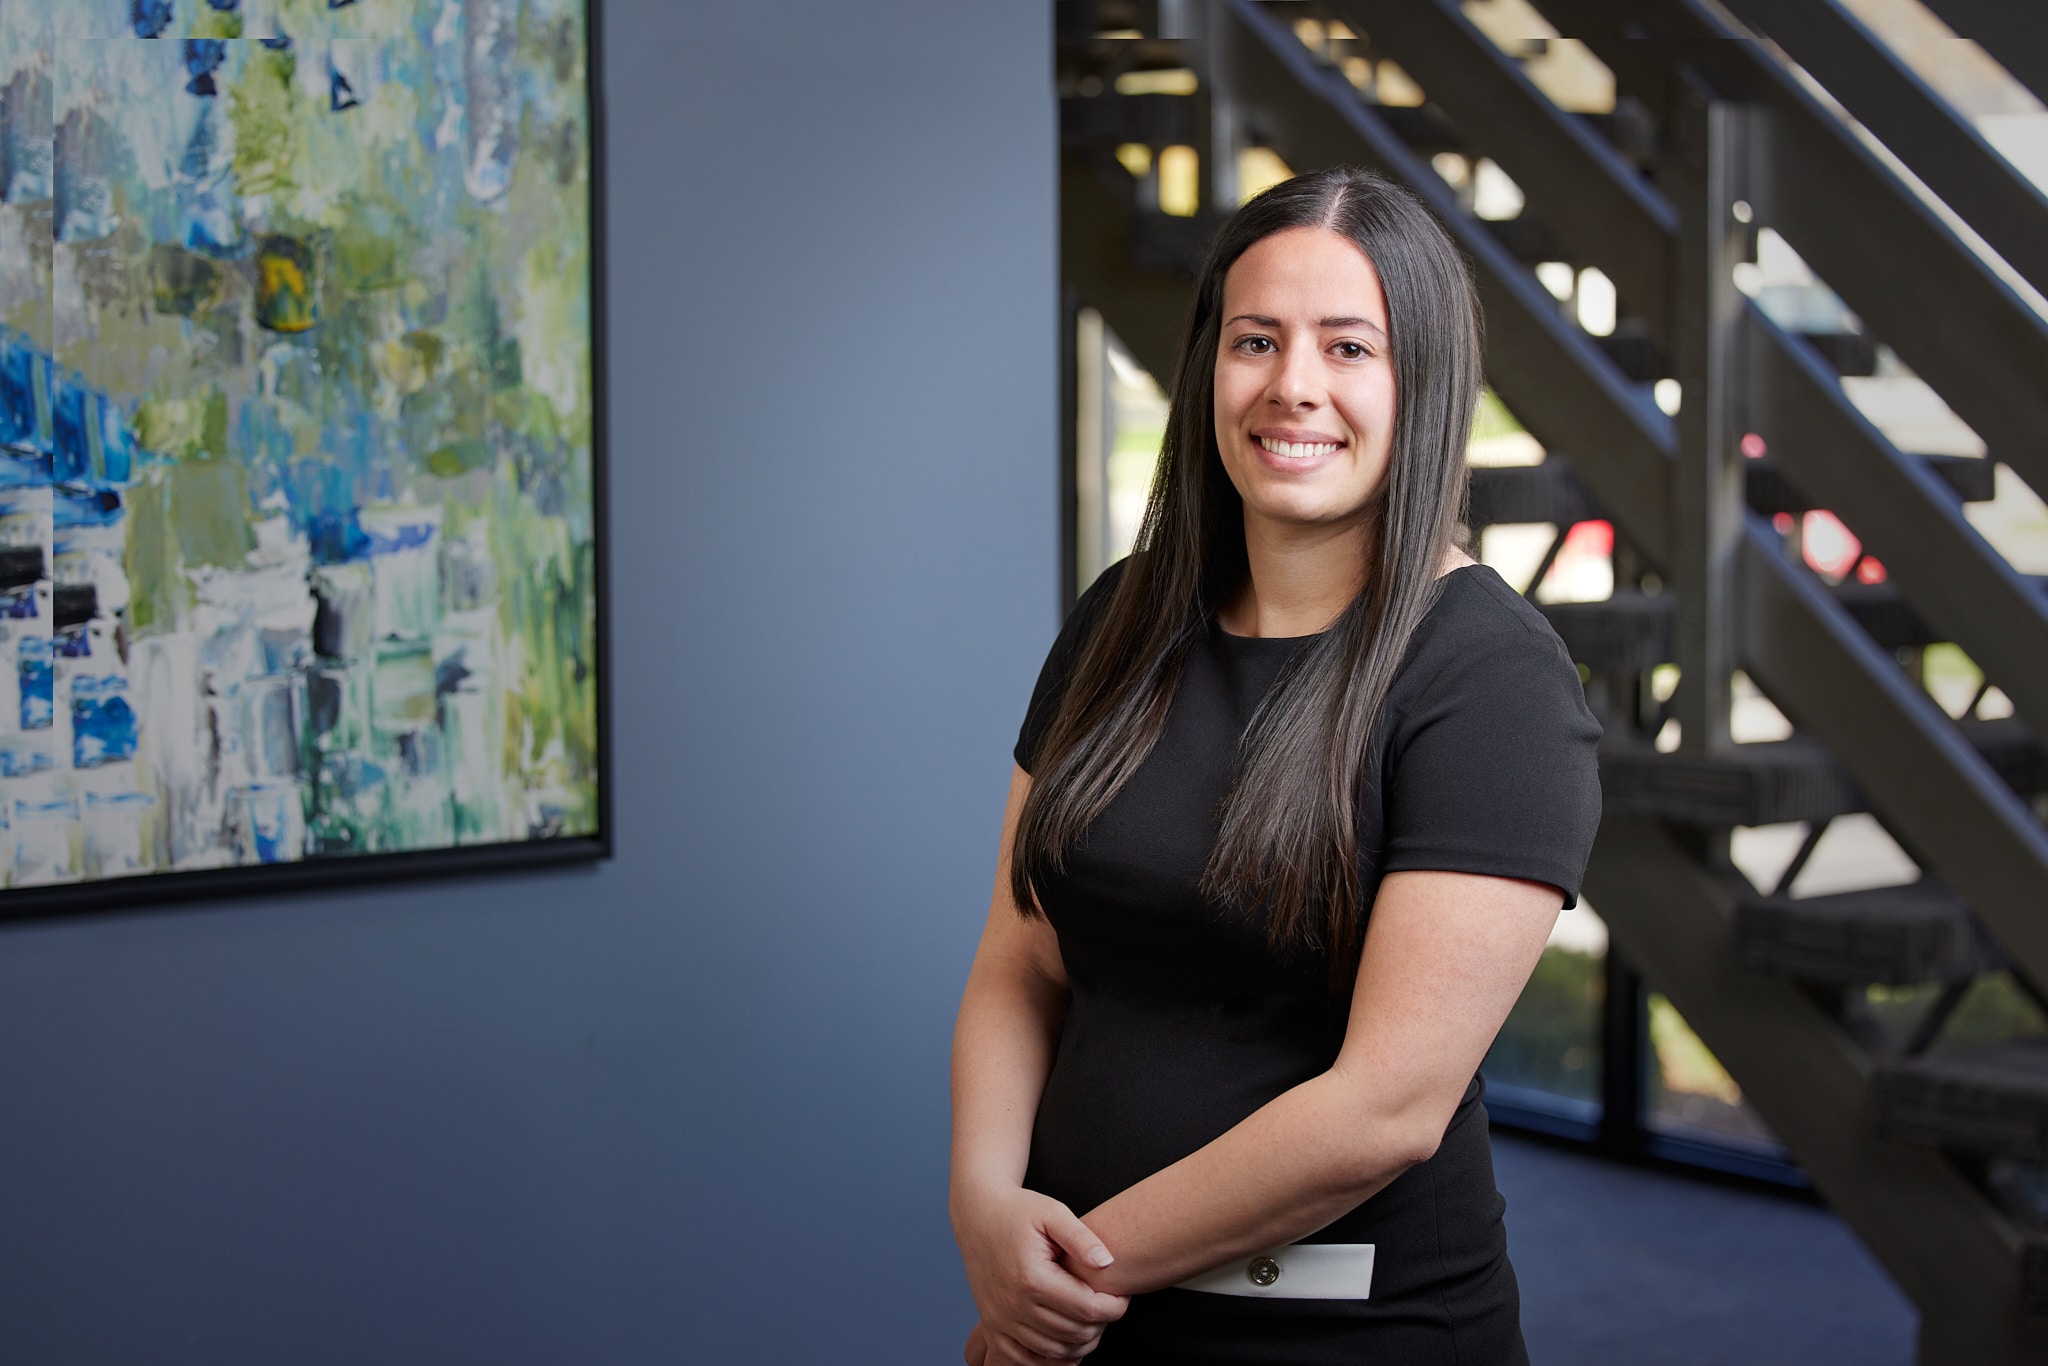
[[1299, 450]]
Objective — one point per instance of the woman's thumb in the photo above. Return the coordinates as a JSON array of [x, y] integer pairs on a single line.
[[1076, 1239]]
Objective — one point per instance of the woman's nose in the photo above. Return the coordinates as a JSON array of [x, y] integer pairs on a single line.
[[1297, 382]]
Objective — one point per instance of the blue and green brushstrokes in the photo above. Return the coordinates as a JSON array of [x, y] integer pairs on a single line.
[[296, 520]]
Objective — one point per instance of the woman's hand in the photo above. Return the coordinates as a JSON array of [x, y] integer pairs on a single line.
[[988, 1348], [1021, 1249]]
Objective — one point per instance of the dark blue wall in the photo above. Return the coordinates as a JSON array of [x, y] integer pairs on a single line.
[[690, 1105]]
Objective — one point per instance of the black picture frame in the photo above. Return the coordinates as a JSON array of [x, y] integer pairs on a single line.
[[249, 882]]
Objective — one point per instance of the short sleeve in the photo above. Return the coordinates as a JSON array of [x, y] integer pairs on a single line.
[[1493, 765], [1059, 664]]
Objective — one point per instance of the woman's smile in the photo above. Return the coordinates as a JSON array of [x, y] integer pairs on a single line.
[[1295, 451]]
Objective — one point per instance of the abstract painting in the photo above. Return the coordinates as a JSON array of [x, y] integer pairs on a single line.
[[299, 492]]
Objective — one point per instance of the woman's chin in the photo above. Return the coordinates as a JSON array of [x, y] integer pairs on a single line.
[[1286, 515]]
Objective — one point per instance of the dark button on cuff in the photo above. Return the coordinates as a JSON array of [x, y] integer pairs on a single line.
[[1262, 1271]]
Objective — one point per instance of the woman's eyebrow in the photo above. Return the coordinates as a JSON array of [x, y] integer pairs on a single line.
[[1261, 320], [1366, 323]]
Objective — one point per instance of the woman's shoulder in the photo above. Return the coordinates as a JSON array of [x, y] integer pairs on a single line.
[[1061, 660], [1481, 629], [1087, 613], [1476, 609], [1096, 595]]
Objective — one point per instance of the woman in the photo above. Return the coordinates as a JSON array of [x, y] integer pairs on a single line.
[[1298, 797]]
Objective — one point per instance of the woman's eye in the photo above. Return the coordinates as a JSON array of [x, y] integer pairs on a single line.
[[1255, 346], [1351, 350]]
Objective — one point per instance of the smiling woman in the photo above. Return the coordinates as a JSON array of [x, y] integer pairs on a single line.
[[1299, 794]]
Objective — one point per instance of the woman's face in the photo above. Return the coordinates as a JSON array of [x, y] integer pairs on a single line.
[[1304, 380]]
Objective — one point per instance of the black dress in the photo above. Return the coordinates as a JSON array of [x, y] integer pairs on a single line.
[[1183, 1021]]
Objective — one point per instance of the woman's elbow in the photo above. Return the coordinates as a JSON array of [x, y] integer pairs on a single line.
[[1412, 1140], [1389, 1144], [1420, 1138]]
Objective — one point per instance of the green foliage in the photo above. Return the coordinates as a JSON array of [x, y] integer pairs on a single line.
[[1550, 1042], [1994, 1009], [1493, 418]]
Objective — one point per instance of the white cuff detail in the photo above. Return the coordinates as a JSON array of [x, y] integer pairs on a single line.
[[1299, 1271]]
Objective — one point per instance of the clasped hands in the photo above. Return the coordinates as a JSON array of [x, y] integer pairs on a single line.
[[1026, 1256]]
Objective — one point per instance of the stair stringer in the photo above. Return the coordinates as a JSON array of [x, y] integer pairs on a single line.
[[1941, 796], [1946, 1245]]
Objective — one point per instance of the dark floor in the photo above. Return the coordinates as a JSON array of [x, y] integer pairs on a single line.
[[1647, 1268]]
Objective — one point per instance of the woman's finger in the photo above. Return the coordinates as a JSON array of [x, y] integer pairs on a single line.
[[1062, 1308], [1010, 1352], [1075, 1238], [1054, 1346], [1082, 1249], [976, 1351], [1055, 1304], [1058, 1292]]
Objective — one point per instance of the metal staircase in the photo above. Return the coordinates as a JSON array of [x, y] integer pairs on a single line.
[[1726, 120]]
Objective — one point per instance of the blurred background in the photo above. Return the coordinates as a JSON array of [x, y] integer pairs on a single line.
[[893, 295], [1766, 360]]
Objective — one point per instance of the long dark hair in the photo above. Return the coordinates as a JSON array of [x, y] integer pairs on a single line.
[[1288, 840]]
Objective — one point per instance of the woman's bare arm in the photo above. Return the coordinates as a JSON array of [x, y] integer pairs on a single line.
[[1445, 956], [1013, 1240], [1009, 1023]]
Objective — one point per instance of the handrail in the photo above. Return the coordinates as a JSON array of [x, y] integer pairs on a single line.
[[1900, 509], [1915, 123], [1951, 318], [1572, 177], [2010, 30], [1548, 371]]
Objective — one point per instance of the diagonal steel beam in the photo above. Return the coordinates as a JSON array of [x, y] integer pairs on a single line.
[[1949, 1249], [1547, 370], [1572, 177], [1919, 127], [1903, 511], [1938, 793], [2010, 30], [1961, 327]]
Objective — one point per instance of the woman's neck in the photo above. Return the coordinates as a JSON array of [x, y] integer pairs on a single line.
[[1301, 579]]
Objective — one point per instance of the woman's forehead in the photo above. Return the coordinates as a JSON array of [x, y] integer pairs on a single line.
[[1305, 274]]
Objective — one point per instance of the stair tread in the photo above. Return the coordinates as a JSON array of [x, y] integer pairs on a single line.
[[2019, 1066], [1663, 603], [1633, 630], [1550, 492], [1927, 900], [1990, 1099], [1914, 932], [1761, 784], [1776, 781]]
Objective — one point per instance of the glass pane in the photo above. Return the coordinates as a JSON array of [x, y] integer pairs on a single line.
[[1688, 1093], [1993, 1009], [1550, 1045], [1121, 416]]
